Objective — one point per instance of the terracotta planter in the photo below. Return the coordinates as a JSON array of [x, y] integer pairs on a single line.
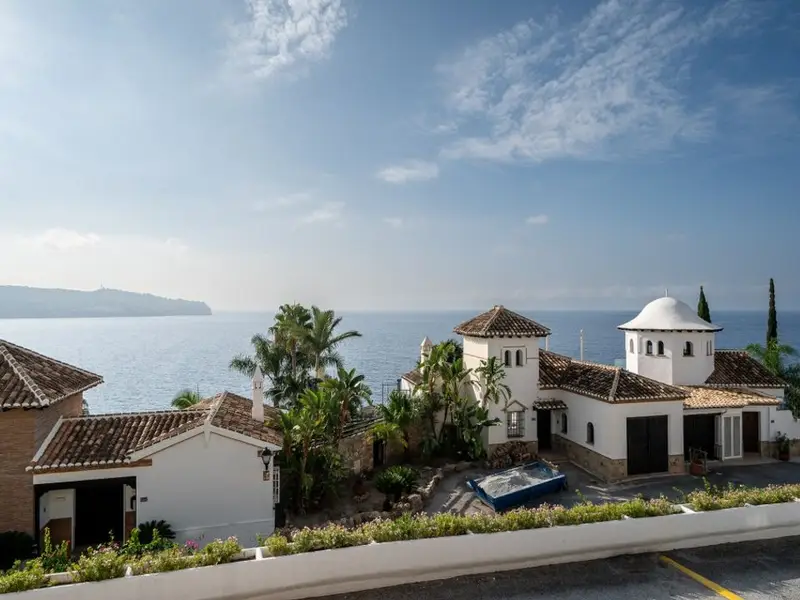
[[783, 456], [696, 469]]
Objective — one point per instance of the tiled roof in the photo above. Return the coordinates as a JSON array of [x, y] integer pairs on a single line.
[[549, 404], [360, 425], [501, 322], [414, 377], [736, 368], [31, 380], [603, 382], [103, 441], [706, 397]]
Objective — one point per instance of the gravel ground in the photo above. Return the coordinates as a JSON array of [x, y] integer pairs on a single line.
[[754, 571]]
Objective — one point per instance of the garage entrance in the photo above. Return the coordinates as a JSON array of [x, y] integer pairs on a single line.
[[751, 441], [99, 513], [699, 432], [648, 445]]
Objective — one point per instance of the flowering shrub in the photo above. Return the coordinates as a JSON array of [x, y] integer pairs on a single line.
[[20, 579], [718, 498], [101, 563], [54, 560]]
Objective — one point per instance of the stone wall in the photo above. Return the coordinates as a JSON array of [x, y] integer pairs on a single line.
[[17, 447], [605, 468], [770, 449], [509, 453]]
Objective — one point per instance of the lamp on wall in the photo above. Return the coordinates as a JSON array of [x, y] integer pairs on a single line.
[[266, 457]]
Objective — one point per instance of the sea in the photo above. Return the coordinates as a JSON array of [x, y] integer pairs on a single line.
[[145, 361]]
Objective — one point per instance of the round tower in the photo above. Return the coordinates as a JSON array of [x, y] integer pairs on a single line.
[[668, 342]]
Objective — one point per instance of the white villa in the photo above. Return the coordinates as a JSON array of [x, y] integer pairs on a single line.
[[676, 392], [207, 470]]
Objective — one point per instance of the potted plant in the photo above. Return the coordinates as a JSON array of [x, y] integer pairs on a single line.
[[784, 445]]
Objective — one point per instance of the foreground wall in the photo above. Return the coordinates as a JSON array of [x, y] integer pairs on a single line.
[[381, 565]]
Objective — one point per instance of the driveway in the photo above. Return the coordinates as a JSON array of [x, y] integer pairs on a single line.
[[453, 495], [752, 571]]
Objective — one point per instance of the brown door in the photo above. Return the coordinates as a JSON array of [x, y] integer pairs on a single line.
[[750, 434]]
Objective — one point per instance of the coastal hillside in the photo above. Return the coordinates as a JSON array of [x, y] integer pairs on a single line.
[[18, 302]]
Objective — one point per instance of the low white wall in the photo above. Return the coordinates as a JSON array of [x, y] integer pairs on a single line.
[[381, 565]]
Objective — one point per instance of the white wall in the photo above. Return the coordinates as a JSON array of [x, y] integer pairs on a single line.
[[207, 490], [672, 367], [611, 425]]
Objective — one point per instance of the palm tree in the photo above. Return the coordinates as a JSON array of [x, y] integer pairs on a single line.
[[350, 392], [774, 357], [398, 413], [321, 340], [186, 399], [292, 323], [274, 363], [492, 374]]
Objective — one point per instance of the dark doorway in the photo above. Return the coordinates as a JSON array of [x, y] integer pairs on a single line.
[[751, 440], [699, 433], [544, 429], [378, 453], [98, 513], [648, 445]]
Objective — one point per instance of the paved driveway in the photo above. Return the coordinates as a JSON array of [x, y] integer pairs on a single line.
[[752, 571], [453, 495]]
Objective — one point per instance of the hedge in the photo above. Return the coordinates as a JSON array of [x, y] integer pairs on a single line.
[[732, 496]]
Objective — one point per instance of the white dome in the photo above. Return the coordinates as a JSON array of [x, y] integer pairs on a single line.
[[668, 314]]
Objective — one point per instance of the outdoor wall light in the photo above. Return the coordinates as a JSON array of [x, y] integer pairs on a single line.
[[266, 457]]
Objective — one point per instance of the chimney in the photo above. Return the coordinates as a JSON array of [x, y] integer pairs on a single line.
[[425, 349], [581, 344], [258, 395], [547, 343]]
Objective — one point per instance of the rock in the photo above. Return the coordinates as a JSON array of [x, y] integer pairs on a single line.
[[415, 503], [385, 515], [357, 519]]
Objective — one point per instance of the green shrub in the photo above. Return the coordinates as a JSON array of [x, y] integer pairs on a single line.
[[54, 559], [732, 496], [21, 579], [277, 545], [14, 546], [135, 548], [99, 564], [176, 558], [326, 538], [397, 480], [148, 528], [218, 552]]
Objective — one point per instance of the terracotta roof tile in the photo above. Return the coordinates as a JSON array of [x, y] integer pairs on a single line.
[[549, 404], [110, 440], [414, 377], [31, 380], [736, 368], [603, 382], [501, 322], [707, 397]]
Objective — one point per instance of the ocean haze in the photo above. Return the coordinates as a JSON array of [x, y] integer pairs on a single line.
[[146, 360]]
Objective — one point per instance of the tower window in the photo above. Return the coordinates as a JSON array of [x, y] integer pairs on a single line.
[[507, 358], [661, 348], [649, 347], [688, 349], [520, 358], [589, 433], [630, 346]]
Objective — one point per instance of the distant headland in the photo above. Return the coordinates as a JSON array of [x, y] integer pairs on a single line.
[[19, 302]]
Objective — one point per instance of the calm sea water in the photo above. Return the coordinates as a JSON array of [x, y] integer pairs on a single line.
[[145, 361]]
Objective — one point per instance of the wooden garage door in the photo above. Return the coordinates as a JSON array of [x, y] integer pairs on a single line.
[[648, 446]]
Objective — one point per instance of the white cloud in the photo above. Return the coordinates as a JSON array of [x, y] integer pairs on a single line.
[[412, 170], [283, 34], [330, 211], [393, 222], [287, 201], [613, 84], [537, 220], [63, 239]]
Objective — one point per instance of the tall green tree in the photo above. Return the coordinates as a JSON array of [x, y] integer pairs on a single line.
[[398, 414], [772, 318], [275, 364], [349, 392], [702, 307], [781, 361], [492, 373], [321, 340], [186, 399]]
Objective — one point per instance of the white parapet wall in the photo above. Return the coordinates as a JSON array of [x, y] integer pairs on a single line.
[[380, 565]]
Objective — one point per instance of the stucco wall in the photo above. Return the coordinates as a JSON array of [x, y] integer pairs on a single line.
[[672, 367], [610, 423], [208, 489]]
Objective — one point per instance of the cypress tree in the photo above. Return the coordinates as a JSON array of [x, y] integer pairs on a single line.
[[702, 307], [772, 319]]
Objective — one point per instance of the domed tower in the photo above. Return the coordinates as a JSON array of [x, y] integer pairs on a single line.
[[668, 342]]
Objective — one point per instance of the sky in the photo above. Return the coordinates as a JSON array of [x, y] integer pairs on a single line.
[[403, 155]]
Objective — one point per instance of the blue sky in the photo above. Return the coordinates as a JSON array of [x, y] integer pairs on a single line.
[[415, 154]]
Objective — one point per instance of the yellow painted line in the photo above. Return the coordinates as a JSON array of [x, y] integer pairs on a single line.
[[700, 579]]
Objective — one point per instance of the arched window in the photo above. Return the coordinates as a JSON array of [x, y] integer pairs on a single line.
[[649, 347], [520, 358], [564, 424], [507, 358], [630, 346], [661, 348], [688, 349], [589, 433]]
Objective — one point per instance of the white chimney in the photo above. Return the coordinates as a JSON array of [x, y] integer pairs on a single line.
[[581, 344], [547, 343], [425, 349], [258, 395]]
